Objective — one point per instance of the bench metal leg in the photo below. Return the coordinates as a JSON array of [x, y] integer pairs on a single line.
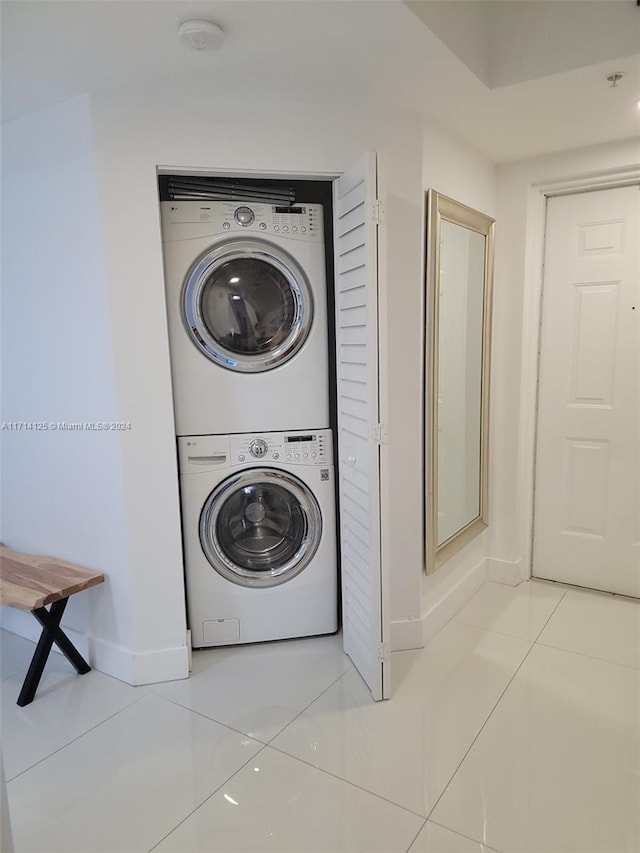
[[51, 633]]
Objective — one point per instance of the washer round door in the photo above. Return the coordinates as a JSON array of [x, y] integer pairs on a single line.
[[247, 305], [260, 528]]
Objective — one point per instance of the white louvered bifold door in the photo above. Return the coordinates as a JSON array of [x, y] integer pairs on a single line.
[[356, 251]]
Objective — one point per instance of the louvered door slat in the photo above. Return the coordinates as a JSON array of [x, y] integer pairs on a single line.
[[357, 379]]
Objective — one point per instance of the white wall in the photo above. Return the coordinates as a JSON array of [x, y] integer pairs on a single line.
[[130, 524], [62, 491], [518, 266], [458, 171], [133, 137]]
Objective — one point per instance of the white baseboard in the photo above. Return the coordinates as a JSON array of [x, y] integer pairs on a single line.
[[406, 634], [505, 571], [134, 668], [163, 665], [139, 668], [446, 607]]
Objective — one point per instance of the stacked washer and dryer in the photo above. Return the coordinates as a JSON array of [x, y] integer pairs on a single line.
[[248, 335]]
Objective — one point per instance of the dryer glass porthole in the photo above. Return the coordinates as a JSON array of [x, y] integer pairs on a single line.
[[247, 306], [260, 527]]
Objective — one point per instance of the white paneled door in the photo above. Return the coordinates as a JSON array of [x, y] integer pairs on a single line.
[[587, 507], [364, 623]]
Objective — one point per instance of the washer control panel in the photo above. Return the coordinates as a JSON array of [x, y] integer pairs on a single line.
[[296, 221], [258, 448], [313, 447]]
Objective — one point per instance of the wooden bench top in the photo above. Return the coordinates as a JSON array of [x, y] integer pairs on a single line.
[[30, 581]]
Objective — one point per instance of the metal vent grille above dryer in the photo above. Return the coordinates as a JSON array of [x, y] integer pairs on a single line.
[[184, 188]]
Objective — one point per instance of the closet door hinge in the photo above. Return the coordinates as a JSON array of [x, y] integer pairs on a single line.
[[383, 652], [378, 212], [380, 433]]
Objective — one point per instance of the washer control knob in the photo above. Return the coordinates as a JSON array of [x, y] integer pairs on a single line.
[[314, 455], [263, 226], [305, 455], [226, 225], [258, 448], [276, 456], [241, 457], [243, 216], [288, 456]]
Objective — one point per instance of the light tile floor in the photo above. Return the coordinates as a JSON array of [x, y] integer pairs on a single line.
[[517, 730]]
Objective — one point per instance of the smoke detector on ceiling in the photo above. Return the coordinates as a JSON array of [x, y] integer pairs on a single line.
[[199, 34]]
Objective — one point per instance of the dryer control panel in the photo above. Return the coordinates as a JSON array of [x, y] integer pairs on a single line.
[[312, 447], [303, 222]]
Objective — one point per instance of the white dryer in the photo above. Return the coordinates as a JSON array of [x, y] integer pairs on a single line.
[[247, 313], [259, 532]]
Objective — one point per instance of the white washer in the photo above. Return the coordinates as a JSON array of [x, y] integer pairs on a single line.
[[259, 531], [247, 313]]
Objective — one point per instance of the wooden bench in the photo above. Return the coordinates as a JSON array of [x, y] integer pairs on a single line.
[[31, 582]]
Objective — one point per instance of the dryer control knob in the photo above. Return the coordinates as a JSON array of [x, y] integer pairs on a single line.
[[258, 448], [243, 215]]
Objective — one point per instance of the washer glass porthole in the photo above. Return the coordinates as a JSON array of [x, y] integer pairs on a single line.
[[247, 306], [260, 527]]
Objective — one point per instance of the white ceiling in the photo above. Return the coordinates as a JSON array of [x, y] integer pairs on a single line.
[[372, 52], [510, 41]]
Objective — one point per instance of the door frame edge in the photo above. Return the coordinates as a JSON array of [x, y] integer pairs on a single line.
[[537, 194]]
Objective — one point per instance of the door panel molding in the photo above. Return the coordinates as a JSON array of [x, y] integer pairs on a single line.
[[537, 193]]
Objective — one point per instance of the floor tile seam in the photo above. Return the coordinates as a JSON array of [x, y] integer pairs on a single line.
[[479, 732], [493, 631], [550, 617], [239, 731], [462, 834], [589, 657], [208, 718], [413, 840], [306, 707], [253, 757], [18, 672], [348, 782], [77, 737]]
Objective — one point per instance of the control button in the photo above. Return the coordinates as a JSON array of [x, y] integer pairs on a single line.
[[313, 455], [276, 227], [226, 225], [305, 455], [303, 229], [297, 456], [276, 456], [263, 225], [241, 458], [288, 456], [258, 448], [285, 227], [244, 216], [294, 228]]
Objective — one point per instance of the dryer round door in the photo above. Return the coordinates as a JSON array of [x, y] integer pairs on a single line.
[[260, 528], [247, 305]]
